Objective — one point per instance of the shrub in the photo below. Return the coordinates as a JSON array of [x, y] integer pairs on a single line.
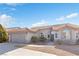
[[59, 42], [34, 39], [42, 39], [3, 34]]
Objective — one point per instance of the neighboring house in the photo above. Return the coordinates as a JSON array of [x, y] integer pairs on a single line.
[[68, 33]]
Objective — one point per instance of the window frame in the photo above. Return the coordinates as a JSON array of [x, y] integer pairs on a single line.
[[77, 34], [56, 35]]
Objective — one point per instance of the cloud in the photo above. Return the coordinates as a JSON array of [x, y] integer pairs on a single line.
[[61, 18], [41, 23], [13, 4], [13, 9], [9, 9], [6, 20], [73, 15]]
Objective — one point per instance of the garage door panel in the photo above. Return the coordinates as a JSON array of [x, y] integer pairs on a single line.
[[20, 38]]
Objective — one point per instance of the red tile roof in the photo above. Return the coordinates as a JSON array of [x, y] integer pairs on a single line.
[[71, 26], [18, 30], [52, 27]]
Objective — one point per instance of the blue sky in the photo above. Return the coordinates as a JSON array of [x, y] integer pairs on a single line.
[[31, 15]]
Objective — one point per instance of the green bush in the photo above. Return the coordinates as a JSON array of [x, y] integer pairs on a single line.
[[3, 34], [42, 38], [34, 39], [59, 42]]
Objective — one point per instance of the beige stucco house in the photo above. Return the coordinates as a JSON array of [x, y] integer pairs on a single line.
[[68, 33]]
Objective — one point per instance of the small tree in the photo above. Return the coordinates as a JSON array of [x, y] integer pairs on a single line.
[[34, 39], [59, 42], [3, 34], [42, 38]]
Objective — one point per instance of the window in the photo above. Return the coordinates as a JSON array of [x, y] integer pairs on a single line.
[[48, 36], [56, 35], [77, 35], [64, 35], [42, 34]]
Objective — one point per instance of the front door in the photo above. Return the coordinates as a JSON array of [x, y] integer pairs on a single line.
[[52, 37], [66, 34]]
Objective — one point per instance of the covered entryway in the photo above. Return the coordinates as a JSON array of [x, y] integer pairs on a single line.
[[66, 34], [52, 37]]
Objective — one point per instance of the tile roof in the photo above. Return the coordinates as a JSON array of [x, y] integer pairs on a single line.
[[52, 27], [67, 25], [57, 27], [18, 30]]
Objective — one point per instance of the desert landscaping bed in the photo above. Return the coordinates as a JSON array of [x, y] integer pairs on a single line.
[[60, 50]]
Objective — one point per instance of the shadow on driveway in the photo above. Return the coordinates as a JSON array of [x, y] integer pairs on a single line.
[[7, 47]]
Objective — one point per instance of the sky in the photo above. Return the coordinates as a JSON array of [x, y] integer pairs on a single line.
[[38, 14]]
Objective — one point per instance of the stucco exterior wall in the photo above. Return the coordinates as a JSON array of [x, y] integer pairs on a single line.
[[69, 38], [29, 36], [58, 35], [73, 36], [45, 32]]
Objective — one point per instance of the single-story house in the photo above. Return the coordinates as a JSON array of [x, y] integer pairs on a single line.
[[68, 33]]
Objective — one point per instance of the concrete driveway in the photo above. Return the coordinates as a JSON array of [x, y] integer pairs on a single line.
[[26, 52], [10, 49]]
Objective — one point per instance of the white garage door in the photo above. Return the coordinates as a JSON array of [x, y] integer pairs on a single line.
[[18, 38]]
